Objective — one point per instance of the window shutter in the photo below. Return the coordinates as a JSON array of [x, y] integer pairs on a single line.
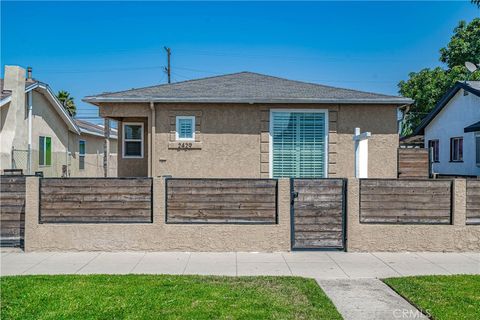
[[48, 151]]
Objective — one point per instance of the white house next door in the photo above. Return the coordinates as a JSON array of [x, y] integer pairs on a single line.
[[298, 143]]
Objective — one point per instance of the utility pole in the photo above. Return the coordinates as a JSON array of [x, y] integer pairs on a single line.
[[167, 68]]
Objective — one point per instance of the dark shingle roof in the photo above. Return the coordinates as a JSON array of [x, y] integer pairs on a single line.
[[246, 87]]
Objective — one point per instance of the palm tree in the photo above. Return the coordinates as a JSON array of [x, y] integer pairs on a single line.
[[67, 102]]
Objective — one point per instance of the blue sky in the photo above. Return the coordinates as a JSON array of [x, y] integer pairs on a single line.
[[91, 47]]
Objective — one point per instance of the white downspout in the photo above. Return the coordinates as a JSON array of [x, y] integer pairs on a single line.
[[29, 116]]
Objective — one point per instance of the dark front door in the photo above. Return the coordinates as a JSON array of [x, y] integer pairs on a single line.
[[318, 213]]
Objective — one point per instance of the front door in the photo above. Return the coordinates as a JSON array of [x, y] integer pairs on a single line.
[[298, 143]]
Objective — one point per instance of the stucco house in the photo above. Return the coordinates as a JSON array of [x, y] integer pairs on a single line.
[[249, 125], [452, 131], [38, 135]]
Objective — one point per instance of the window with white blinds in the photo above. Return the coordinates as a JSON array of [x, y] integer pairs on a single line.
[[298, 144], [185, 128]]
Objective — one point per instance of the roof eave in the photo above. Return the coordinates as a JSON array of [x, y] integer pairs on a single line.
[[395, 101], [442, 103], [5, 100], [60, 109]]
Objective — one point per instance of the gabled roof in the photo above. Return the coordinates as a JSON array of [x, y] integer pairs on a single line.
[[471, 86], [246, 87], [94, 129]]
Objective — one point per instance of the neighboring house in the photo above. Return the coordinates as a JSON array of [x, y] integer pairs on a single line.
[[250, 125], [452, 130], [59, 145]]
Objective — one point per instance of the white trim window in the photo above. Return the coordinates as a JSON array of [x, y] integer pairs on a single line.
[[434, 146], [82, 145], [298, 143], [185, 128], [132, 139], [456, 149]]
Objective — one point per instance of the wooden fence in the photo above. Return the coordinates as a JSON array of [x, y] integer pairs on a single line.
[[221, 201], [405, 201], [12, 210], [413, 163], [473, 202], [95, 200]]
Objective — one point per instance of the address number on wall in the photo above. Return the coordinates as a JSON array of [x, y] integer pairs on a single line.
[[185, 145]]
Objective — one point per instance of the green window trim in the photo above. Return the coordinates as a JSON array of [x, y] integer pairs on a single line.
[[45, 151], [298, 143]]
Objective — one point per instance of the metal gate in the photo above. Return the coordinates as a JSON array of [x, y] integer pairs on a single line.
[[318, 219]]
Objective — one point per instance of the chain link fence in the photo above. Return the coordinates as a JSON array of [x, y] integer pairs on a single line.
[[20, 159]]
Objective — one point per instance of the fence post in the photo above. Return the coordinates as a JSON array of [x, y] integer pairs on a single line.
[[32, 191], [459, 202], [353, 212]]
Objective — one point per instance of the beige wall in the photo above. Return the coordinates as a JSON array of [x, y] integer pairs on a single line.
[[13, 125], [47, 122], [232, 140], [411, 237], [93, 158], [157, 235]]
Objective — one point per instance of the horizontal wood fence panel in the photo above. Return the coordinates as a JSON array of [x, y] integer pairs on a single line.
[[221, 200], [413, 163], [318, 213], [12, 210], [473, 202], [96, 200], [405, 201]]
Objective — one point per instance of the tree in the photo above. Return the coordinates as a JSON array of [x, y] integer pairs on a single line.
[[464, 45], [67, 102], [477, 2], [427, 86]]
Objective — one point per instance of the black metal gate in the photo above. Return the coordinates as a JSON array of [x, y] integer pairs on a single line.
[[318, 219]]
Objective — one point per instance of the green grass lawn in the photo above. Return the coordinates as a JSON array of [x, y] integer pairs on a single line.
[[163, 297], [442, 297]]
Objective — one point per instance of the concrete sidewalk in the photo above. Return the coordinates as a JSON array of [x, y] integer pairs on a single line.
[[319, 265], [365, 299]]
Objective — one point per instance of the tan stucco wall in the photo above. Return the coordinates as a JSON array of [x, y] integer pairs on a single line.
[[410, 237], [232, 140], [157, 235]]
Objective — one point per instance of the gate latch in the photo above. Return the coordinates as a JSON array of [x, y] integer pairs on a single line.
[[294, 196]]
